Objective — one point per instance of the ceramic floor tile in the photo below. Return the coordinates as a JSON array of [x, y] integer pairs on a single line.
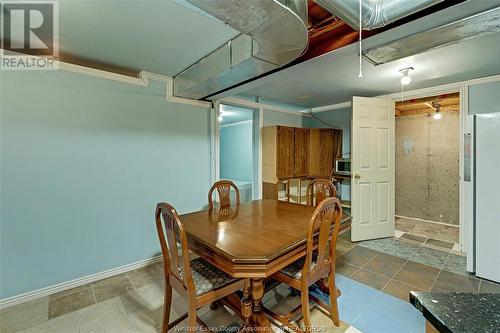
[[343, 245], [377, 244], [344, 268], [371, 279], [70, 300], [401, 249], [119, 326], [400, 290], [398, 233], [439, 243], [146, 321], [219, 317], [322, 323], [417, 275], [358, 256], [24, 315], [456, 264], [412, 237], [489, 287], [100, 314], [149, 297], [146, 275], [112, 287], [385, 264], [451, 282], [62, 324], [429, 256]]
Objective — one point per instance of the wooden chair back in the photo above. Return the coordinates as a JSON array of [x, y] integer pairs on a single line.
[[327, 214], [171, 233], [318, 190], [223, 188]]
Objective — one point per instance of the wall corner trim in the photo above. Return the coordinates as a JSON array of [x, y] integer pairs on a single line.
[[32, 295], [142, 80]]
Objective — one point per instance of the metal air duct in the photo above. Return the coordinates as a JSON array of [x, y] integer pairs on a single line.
[[375, 13], [273, 33]]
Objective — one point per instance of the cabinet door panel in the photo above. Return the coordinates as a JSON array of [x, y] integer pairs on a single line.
[[285, 149], [321, 153], [301, 152]]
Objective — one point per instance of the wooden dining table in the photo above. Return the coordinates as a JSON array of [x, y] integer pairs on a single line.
[[252, 240]]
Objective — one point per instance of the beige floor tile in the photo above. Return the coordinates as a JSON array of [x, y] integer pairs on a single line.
[[146, 321], [62, 324], [219, 317], [26, 315], [70, 300], [100, 314], [146, 275], [358, 256], [282, 304], [149, 297], [385, 264], [451, 282], [119, 326], [417, 275], [321, 323], [343, 245], [112, 287]]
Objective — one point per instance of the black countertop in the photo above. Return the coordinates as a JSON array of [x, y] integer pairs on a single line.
[[459, 312]]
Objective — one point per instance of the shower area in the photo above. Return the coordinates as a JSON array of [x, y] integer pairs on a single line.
[[427, 169]]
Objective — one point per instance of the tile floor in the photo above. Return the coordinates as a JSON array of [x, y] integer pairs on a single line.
[[421, 231], [375, 278]]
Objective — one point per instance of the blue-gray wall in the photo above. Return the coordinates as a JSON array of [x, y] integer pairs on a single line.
[[340, 118], [281, 118], [83, 163], [236, 151], [484, 98]]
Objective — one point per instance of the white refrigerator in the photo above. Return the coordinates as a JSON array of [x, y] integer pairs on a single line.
[[487, 195]]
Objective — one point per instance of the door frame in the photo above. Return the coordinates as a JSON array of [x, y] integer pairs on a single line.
[[463, 215], [256, 151]]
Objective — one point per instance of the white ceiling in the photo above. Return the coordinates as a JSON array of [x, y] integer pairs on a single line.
[[333, 78], [159, 36]]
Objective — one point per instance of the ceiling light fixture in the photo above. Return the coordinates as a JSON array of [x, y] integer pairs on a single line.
[[405, 75], [437, 115]]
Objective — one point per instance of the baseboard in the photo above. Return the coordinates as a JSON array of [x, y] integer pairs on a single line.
[[29, 296], [429, 221]]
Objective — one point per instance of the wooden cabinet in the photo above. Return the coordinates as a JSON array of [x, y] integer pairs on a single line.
[[322, 151], [298, 153], [301, 150], [285, 152]]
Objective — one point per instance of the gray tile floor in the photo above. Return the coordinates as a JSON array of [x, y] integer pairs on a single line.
[[130, 302]]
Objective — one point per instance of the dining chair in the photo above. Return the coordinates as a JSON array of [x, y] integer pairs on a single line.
[[318, 190], [196, 280], [223, 188], [315, 265]]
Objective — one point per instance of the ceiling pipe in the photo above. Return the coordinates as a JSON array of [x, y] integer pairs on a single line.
[[273, 33], [375, 13]]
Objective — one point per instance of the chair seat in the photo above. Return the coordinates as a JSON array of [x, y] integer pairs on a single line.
[[295, 269], [207, 277]]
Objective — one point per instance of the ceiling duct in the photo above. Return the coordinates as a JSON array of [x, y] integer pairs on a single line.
[[273, 33], [481, 24], [375, 13]]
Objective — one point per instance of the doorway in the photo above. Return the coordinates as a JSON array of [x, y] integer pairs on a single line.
[[238, 139], [427, 182]]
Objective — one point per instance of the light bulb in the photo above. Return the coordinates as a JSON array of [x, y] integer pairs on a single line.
[[405, 79], [437, 115]]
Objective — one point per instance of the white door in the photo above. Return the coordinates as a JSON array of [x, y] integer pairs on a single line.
[[373, 170]]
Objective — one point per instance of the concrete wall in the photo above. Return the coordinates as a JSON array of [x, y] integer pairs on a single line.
[[427, 167]]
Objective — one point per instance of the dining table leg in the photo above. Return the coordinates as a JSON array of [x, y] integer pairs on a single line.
[[259, 318]]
